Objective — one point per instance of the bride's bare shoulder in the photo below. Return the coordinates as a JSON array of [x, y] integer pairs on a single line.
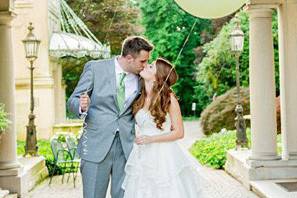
[[174, 105]]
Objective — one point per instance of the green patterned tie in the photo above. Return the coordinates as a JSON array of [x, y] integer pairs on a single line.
[[121, 91]]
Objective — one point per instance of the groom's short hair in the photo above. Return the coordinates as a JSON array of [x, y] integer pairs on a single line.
[[134, 44]]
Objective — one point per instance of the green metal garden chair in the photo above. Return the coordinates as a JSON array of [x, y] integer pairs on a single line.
[[65, 157], [71, 142]]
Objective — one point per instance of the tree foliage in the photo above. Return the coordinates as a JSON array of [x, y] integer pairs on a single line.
[[167, 27], [216, 72], [110, 20]]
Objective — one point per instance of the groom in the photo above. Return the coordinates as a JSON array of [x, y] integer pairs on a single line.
[[111, 87]]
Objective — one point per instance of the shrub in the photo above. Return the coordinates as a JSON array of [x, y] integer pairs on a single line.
[[211, 151], [220, 113]]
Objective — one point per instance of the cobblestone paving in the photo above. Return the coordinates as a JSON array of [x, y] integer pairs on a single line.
[[217, 183]]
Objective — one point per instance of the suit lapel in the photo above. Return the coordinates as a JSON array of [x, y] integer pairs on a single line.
[[132, 98], [113, 83]]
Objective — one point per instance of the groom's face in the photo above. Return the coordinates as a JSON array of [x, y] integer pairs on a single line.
[[138, 62]]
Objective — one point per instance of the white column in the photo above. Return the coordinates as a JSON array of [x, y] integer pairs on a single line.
[[262, 85], [59, 91], [288, 77], [63, 100], [8, 152]]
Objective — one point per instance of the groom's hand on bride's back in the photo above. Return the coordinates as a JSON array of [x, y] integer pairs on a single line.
[[84, 102]]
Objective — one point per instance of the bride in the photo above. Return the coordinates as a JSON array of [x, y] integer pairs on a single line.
[[157, 167]]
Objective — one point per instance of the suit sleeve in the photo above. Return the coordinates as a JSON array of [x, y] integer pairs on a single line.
[[86, 82]]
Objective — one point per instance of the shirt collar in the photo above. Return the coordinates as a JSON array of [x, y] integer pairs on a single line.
[[118, 68]]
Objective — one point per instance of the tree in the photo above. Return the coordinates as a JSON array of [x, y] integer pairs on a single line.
[[109, 20], [216, 72], [167, 27]]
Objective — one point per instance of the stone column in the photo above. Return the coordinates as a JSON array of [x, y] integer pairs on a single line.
[[63, 100], [262, 84], [288, 77], [59, 91], [8, 144]]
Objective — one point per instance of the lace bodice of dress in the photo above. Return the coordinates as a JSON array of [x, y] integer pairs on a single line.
[[147, 126]]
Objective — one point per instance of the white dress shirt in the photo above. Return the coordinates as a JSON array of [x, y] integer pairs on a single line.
[[131, 82]]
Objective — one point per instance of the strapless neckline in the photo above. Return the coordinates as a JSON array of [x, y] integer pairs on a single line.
[[147, 125]]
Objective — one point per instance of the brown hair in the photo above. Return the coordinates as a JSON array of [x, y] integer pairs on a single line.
[[134, 44], [166, 76]]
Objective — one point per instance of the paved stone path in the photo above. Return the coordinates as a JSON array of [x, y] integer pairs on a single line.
[[218, 184]]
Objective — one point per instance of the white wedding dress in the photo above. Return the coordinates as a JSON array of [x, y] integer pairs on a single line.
[[159, 170]]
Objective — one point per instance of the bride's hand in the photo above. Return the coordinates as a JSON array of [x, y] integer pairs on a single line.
[[143, 139]]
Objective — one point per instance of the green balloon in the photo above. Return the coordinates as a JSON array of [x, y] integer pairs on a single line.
[[210, 8]]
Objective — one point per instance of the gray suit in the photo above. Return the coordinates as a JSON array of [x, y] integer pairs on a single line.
[[108, 139]]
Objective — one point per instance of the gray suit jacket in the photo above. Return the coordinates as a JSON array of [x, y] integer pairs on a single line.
[[104, 117]]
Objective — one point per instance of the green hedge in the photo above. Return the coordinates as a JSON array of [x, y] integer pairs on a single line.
[[211, 151]]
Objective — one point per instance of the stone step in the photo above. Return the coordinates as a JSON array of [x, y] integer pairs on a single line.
[[275, 188], [33, 171], [12, 196]]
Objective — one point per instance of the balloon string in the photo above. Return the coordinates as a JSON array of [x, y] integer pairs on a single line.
[[180, 52], [113, 19]]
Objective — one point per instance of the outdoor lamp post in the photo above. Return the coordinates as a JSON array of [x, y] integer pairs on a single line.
[[31, 44], [237, 40]]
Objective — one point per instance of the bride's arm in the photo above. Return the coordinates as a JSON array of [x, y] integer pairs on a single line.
[[176, 122]]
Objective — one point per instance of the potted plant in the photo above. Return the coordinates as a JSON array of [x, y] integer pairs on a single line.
[[4, 122]]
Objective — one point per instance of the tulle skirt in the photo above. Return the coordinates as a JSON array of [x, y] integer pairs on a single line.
[[161, 170]]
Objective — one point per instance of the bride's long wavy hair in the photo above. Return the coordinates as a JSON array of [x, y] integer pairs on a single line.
[[161, 91]]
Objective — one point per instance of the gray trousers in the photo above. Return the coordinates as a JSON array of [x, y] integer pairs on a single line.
[[95, 176]]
